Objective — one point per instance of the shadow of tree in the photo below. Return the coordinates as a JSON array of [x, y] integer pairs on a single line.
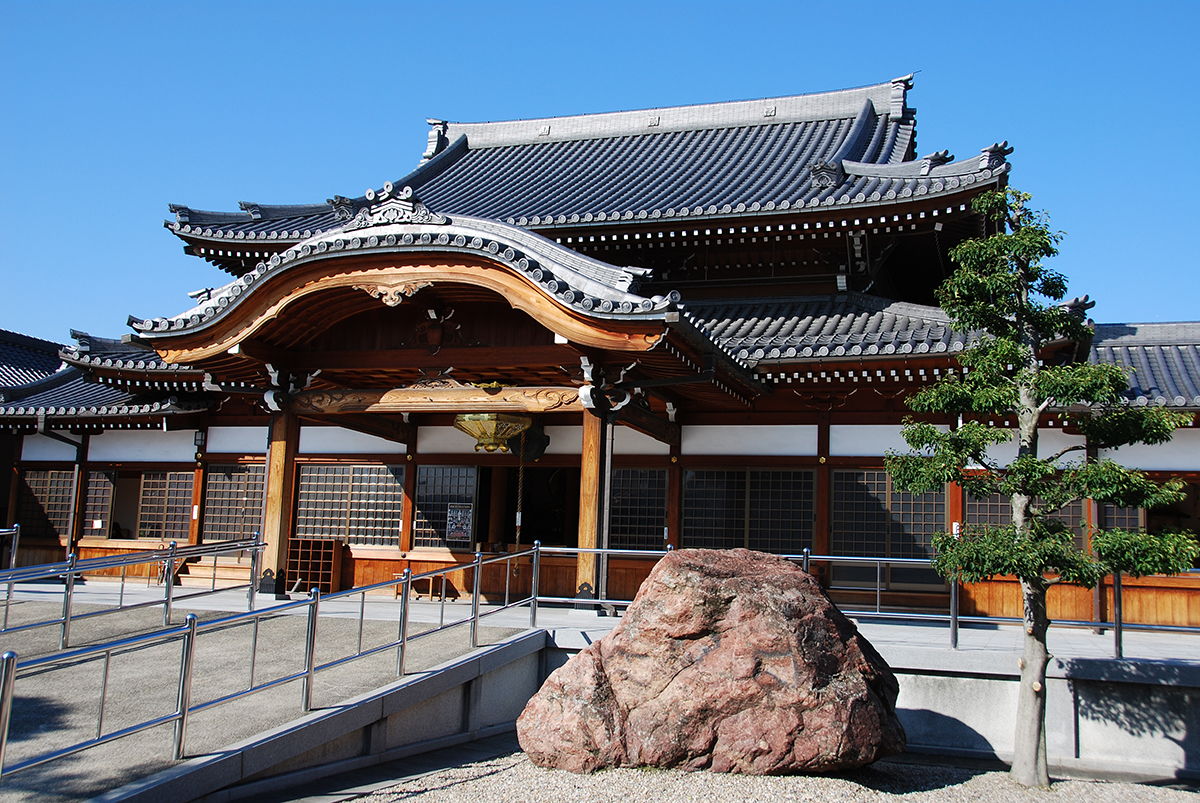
[[33, 716], [1164, 702]]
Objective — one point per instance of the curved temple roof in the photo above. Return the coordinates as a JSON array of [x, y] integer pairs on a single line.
[[853, 147]]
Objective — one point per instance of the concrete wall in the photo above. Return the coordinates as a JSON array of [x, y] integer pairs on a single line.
[[1104, 718]]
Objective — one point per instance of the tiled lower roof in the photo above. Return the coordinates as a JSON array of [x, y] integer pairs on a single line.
[[1163, 360], [25, 359], [77, 397], [842, 325]]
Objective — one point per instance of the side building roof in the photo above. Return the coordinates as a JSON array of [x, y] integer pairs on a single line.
[[1162, 360], [25, 359], [849, 148]]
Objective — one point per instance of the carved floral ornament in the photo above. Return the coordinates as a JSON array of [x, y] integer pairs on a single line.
[[393, 294]]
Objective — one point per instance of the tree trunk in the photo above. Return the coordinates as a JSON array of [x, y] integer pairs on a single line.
[[1029, 744]]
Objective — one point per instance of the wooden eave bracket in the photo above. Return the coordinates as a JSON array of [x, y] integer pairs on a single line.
[[646, 422]]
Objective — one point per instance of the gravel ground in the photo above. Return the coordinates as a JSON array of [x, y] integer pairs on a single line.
[[514, 779]]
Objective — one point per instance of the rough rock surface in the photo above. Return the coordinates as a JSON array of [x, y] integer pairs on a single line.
[[729, 660]]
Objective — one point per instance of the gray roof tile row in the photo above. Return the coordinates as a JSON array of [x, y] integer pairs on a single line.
[[1162, 360], [25, 359]]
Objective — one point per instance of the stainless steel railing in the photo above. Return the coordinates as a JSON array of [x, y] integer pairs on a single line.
[[189, 634], [169, 558]]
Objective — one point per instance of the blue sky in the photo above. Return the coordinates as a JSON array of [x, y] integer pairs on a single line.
[[111, 111]]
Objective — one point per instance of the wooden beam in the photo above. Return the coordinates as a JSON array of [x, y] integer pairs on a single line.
[[370, 424], [421, 358], [646, 422], [440, 396]]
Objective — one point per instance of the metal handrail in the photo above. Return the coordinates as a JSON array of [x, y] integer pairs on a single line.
[[307, 673], [170, 556]]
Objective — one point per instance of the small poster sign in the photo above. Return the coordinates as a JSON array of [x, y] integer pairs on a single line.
[[458, 523]]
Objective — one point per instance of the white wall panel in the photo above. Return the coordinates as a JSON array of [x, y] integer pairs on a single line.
[[1181, 453], [566, 440], [39, 447], [630, 441], [335, 440], [865, 440], [799, 440], [1049, 442], [237, 440], [444, 440], [144, 446]]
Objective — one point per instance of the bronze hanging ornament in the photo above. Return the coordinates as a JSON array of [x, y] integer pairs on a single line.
[[491, 431]]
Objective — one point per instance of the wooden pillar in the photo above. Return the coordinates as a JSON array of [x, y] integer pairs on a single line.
[[280, 505], [591, 466], [409, 511], [674, 501], [79, 500]]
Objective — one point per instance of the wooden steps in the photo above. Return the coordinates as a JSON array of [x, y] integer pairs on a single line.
[[232, 570]]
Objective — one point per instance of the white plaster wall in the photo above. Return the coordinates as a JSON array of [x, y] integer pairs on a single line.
[[865, 440], [798, 440], [328, 440], [144, 446], [566, 440], [1049, 441], [39, 447], [237, 440], [1181, 453], [630, 441], [444, 440]]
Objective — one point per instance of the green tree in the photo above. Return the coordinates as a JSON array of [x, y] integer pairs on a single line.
[[1006, 298]]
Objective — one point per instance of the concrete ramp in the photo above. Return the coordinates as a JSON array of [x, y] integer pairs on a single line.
[[468, 698]]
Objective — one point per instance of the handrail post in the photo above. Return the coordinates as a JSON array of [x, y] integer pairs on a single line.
[[310, 650], [169, 580], [533, 583], [255, 557], [878, 584], [12, 564], [64, 639], [405, 591], [475, 601], [954, 614], [185, 683], [1118, 617], [805, 561], [8, 677]]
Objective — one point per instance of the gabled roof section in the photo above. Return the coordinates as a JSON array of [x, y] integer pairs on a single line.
[[394, 221], [25, 359], [1162, 359], [94, 352], [853, 147], [827, 326]]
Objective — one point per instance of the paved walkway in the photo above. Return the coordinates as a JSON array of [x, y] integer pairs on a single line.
[[144, 679]]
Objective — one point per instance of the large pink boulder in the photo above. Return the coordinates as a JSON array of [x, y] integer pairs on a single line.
[[729, 660]]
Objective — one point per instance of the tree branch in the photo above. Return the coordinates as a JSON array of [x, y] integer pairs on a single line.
[[1076, 448]]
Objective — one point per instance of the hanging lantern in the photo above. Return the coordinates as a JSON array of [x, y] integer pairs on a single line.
[[491, 431]]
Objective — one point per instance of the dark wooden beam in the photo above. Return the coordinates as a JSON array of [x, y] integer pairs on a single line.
[[646, 422], [370, 424], [440, 396], [458, 357]]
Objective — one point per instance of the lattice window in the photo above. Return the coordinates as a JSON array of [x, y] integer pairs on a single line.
[[165, 508], [859, 515], [996, 511], [782, 511], [914, 520], [233, 501], [97, 517], [1130, 519], [46, 501], [637, 512], [714, 509], [439, 488], [362, 505]]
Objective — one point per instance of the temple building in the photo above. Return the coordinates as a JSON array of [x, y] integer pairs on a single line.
[[690, 326]]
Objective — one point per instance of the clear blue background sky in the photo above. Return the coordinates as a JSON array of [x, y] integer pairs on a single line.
[[112, 110]]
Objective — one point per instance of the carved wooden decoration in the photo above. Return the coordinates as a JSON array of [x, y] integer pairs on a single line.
[[450, 397], [393, 294]]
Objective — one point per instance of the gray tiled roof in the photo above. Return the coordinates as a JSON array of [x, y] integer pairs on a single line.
[[72, 395], [578, 282], [842, 325], [851, 147], [100, 352], [1163, 358], [25, 359]]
